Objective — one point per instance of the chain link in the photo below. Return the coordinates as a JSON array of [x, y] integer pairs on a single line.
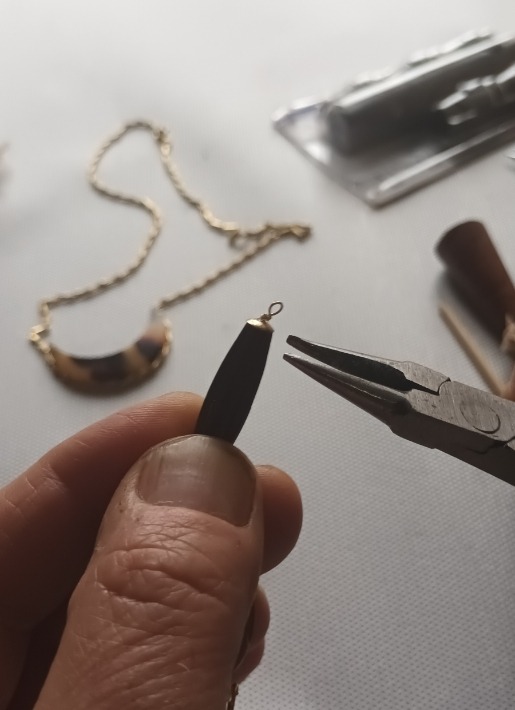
[[259, 238]]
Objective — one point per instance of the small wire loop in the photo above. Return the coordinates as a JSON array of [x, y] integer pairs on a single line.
[[273, 310]]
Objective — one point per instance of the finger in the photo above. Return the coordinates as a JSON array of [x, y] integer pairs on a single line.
[[283, 514], [251, 661], [44, 642], [13, 645], [50, 515], [260, 618], [158, 618], [255, 629]]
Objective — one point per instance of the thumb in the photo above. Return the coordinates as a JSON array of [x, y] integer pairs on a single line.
[[158, 618]]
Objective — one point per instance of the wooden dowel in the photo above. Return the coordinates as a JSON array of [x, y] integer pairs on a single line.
[[472, 349]]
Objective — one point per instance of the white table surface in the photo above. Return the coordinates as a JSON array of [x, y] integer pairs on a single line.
[[401, 592]]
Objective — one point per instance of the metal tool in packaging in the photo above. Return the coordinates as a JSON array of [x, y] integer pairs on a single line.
[[393, 131]]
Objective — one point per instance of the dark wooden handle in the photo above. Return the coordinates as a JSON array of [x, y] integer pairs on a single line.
[[478, 274]]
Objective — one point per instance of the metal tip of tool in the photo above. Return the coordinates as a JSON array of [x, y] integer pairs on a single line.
[[298, 343], [374, 369], [379, 401]]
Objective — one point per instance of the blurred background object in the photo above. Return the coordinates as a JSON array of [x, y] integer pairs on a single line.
[[395, 130]]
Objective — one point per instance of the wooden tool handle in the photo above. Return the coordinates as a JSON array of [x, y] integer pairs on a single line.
[[478, 274]]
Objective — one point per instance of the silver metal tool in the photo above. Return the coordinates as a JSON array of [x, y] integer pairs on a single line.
[[419, 404], [390, 132], [370, 113], [479, 98]]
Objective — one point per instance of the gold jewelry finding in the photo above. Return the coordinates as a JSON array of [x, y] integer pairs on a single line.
[[139, 361]]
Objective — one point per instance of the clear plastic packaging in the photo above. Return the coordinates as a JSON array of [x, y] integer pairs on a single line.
[[393, 131]]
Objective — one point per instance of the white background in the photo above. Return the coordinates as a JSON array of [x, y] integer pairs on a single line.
[[401, 592]]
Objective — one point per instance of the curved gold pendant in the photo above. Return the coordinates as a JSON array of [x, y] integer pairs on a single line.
[[117, 371]]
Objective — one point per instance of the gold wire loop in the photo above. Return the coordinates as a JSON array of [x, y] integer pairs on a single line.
[[273, 310], [248, 242]]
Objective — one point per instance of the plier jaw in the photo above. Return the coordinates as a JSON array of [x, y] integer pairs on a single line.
[[381, 402], [419, 404]]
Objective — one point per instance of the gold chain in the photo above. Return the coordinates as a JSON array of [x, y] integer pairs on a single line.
[[259, 238]]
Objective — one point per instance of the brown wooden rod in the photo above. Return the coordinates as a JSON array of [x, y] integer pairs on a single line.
[[478, 274], [472, 350]]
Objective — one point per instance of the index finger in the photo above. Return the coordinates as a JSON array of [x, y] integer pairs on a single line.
[[50, 515]]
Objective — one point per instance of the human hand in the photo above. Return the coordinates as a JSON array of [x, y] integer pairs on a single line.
[[160, 606]]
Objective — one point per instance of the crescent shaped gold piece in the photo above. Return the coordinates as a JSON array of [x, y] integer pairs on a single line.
[[117, 371]]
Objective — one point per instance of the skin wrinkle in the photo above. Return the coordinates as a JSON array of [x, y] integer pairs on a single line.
[[141, 647], [159, 533], [127, 424], [46, 474], [130, 420], [133, 419], [186, 539], [85, 447], [120, 574], [128, 671], [84, 647], [131, 639], [181, 630], [152, 672], [14, 508], [145, 663], [142, 694], [138, 679], [50, 481], [153, 614]]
